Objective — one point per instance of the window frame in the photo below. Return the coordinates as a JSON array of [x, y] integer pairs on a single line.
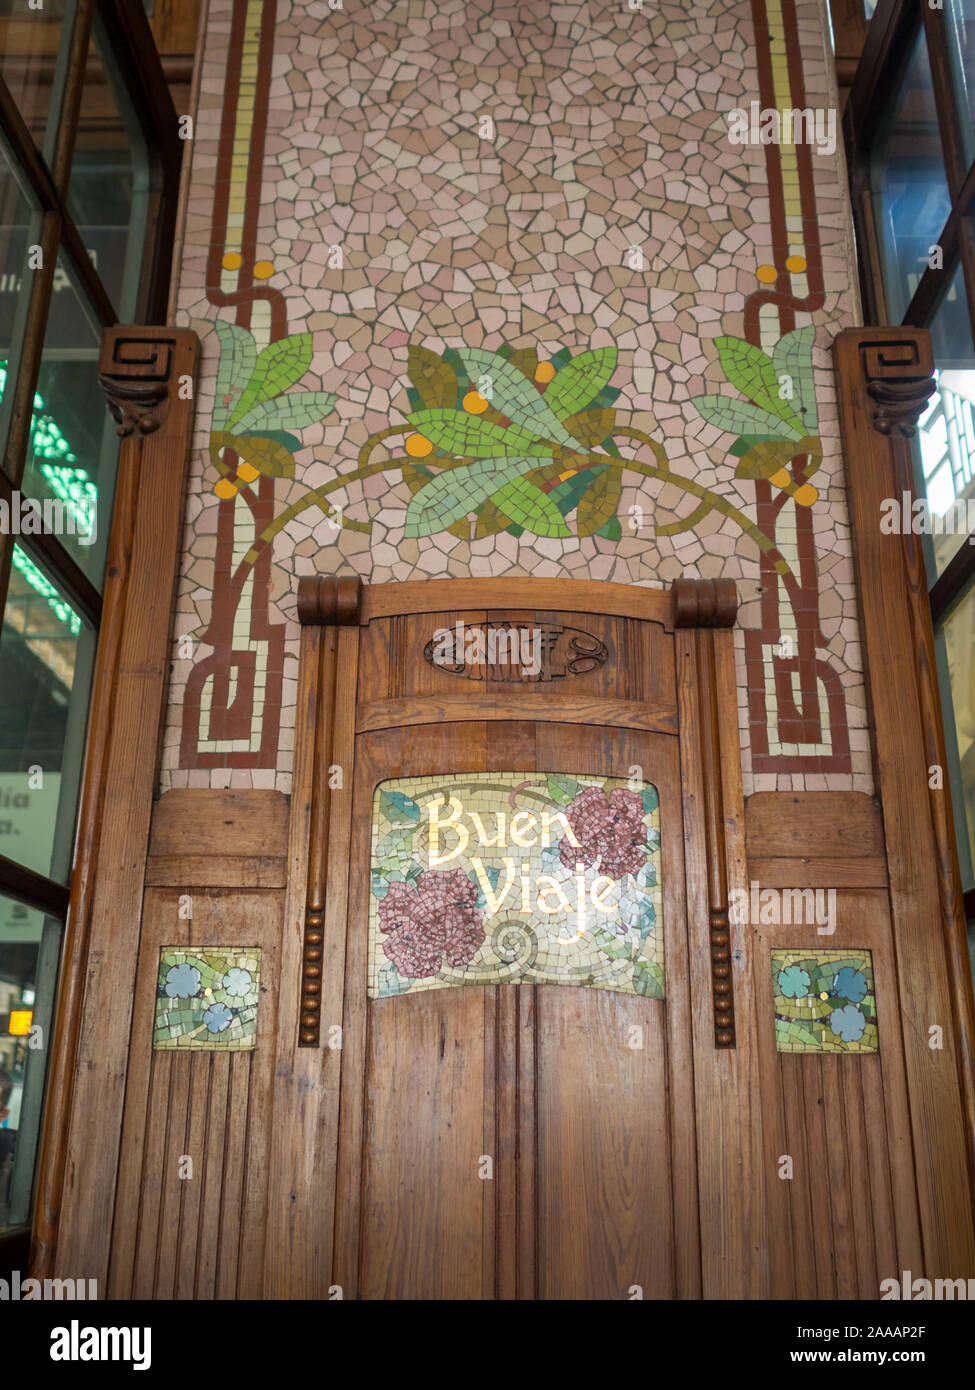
[[133, 70]]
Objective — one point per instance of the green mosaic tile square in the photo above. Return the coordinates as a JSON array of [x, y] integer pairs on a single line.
[[824, 1001], [207, 998]]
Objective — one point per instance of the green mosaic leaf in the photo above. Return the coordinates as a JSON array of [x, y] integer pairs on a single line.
[[461, 433], [238, 353], [792, 356], [395, 850], [648, 979], [531, 508], [592, 427], [650, 799], [599, 502], [580, 381], [435, 382], [762, 460], [617, 948], [264, 454], [562, 789], [279, 366], [613, 531], [458, 491], [294, 412], [380, 885], [394, 806], [490, 520], [514, 395], [753, 372], [741, 417]]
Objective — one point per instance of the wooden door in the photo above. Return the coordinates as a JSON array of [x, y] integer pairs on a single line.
[[509, 912], [515, 1139]]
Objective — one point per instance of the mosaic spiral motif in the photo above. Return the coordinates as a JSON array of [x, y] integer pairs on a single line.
[[502, 877]]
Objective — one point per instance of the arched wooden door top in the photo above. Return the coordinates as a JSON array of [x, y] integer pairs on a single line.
[[344, 601]]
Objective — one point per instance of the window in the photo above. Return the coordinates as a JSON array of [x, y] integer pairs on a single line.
[[89, 158], [910, 128]]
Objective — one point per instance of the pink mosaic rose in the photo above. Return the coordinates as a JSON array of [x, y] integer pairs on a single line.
[[436, 918], [608, 828]]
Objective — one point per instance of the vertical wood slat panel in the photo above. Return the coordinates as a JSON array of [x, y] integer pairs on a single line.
[[200, 1236], [79, 1165]]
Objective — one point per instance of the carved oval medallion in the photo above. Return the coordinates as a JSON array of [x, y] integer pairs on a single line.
[[516, 652]]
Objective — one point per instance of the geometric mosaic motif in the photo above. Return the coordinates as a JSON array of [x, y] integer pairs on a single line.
[[824, 1001], [487, 878], [206, 998]]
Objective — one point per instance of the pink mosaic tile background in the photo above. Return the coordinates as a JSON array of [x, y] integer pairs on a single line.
[[546, 179]]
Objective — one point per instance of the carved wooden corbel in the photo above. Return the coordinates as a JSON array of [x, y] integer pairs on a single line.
[[135, 370]]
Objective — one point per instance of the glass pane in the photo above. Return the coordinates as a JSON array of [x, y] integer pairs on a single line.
[[73, 452], [945, 454], [29, 948], [29, 41], [108, 185], [910, 193], [960, 26], [957, 639], [16, 233], [45, 671]]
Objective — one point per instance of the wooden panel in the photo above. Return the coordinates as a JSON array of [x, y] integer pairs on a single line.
[[605, 1210], [639, 664], [387, 714], [850, 1207], [816, 825], [819, 873], [198, 821], [423, 1138], [200, 1236]]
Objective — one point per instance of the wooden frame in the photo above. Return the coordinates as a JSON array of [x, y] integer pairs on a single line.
[[89, 1048], [885, 379]]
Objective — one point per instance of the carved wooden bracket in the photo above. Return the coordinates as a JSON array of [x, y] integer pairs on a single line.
[[704, 602], [327, 601], [135, 369], [899, 377]]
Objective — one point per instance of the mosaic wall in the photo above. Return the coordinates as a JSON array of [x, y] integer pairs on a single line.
[[488, 289], [502, 877], [206, 998], [824, 1001]]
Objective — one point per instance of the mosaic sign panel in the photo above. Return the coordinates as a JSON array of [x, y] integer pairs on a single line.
[[206, 998], [501, 877], [824, 1001]]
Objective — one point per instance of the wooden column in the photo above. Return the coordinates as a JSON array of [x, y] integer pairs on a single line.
[[885, 380], [304, 1140], [734, 1176], [142, 370]]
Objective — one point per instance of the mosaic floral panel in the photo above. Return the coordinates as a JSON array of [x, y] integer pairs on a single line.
[[824, 1001], [207, 998], [502, 877], [488, 289]]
